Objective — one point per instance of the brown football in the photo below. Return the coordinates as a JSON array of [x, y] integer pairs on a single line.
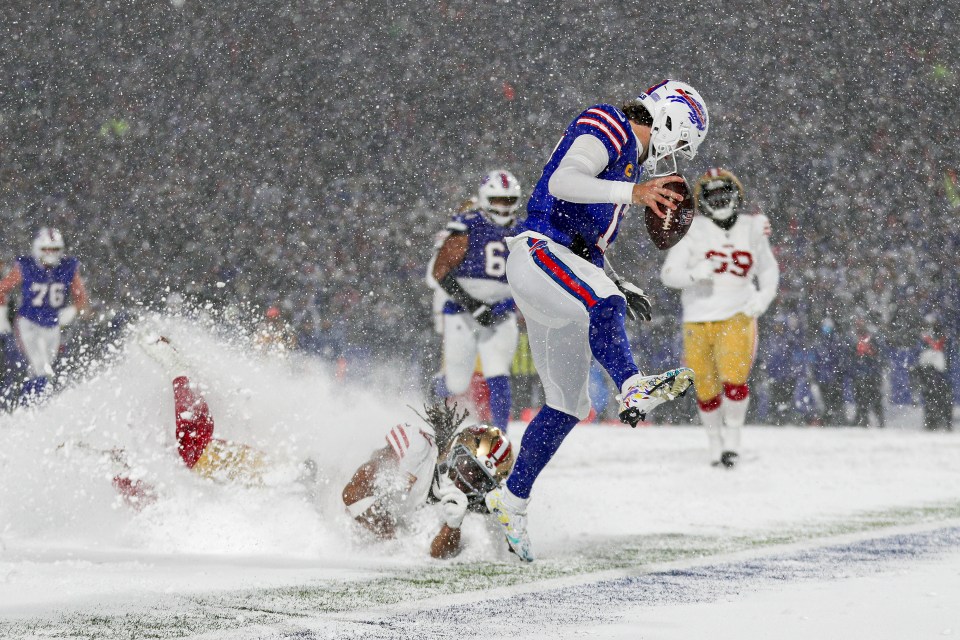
[[667, 231]]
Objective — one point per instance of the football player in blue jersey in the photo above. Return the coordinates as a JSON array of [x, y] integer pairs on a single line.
[[52, 294], [574, 310], [478, 314]]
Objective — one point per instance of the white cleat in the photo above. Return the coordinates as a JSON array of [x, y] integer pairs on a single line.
[[513, 522], [640, 394]]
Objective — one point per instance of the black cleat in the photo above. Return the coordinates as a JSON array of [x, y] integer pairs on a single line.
[[729, 459]]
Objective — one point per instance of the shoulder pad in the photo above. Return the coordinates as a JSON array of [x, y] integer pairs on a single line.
[[458, 224], [607, 123], [762, 223]]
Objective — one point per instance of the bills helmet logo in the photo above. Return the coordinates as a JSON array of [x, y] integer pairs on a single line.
[[697, 111]]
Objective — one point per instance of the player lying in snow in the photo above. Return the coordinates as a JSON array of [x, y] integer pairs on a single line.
[[212, 458], [439, 462], [397, 479]]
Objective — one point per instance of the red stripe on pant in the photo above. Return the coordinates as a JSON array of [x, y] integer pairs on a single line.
[[194, 422], [558, 271]]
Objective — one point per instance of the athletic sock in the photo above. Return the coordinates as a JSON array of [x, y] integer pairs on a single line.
[[608, 339], [711, 417], [540, 441], [438, 387], [499, 387], [32, 390], [735, 403], [514, 503], [193, 419]]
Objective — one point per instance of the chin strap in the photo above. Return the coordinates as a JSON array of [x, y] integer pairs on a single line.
[[726, 224]]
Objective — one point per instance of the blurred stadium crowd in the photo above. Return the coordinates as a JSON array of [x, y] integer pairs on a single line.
[[302, 156]]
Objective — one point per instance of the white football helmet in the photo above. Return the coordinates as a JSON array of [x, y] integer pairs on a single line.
[[680, 123], [718, 194], [499, 197], [48, 247]]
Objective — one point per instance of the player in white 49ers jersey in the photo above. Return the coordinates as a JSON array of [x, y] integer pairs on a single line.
[[438, 462], [727, 276]]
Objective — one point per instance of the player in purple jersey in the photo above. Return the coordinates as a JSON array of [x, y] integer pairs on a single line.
[[574, 310], [52, 294], [478, 314]]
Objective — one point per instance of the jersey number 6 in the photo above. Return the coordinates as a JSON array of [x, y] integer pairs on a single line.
[[495, 263]]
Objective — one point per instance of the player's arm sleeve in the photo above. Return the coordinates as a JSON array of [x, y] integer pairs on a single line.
[[575, 179], [78, 292], [675, 273], [9, 282], [456, 225], [768, 271], [411, 448]]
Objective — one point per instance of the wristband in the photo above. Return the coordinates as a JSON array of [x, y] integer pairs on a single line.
[[360, 507]]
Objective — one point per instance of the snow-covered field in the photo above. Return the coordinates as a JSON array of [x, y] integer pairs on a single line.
[[820, 533]]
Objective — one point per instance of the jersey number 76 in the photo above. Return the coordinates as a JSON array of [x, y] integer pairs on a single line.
[[55, 294]]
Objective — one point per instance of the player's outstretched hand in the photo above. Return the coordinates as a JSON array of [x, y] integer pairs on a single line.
[[655, 195], [453, 501], [638, 302]]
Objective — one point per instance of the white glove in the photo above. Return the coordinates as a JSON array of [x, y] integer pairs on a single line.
[[67, 315], [755, 306], [452, 501], [703, 271]]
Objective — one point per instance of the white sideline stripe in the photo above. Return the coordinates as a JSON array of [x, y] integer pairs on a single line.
[[470, 597]]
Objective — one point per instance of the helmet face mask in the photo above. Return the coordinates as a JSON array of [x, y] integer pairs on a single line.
[[680, 124], [468, 474], [499, 197], [48, 247], [720, 201], [480, 458], [718, 194]]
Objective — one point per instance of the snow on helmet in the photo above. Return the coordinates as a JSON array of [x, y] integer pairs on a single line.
[[680, 124], [499, 197]]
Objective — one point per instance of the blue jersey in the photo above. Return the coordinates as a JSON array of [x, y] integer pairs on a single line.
[[483, 272], [486, 256], [45, 291], [596, 224]]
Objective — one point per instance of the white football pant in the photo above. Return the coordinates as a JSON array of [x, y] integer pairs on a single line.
[[464, 339], [553, 289], [39, 345]]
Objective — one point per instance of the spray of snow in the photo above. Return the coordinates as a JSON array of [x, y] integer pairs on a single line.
[[56, 479]]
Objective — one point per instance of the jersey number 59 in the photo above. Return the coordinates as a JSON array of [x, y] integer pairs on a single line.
[[738, 263]]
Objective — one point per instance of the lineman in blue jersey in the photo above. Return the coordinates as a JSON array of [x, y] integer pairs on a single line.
[[52, 293], [478, 314], [573, 309]]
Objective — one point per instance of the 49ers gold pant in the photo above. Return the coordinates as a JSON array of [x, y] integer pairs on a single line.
[[719, 352]]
